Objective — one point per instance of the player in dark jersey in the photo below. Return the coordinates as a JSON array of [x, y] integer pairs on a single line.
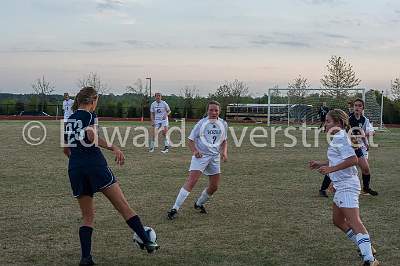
[[362, 128], [323, 111], [88, 172]]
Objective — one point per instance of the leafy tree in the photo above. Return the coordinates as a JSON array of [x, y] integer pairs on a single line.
[[395, 89], [340, 77]]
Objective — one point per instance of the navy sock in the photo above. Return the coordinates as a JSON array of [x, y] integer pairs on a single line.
[[137, 226], [325, 183], [366, 179], [85, 236]]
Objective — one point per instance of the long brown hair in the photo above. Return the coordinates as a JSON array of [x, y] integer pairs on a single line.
[[85, 96], [340, 117]]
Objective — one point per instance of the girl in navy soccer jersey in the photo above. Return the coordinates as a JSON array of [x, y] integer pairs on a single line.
[[208, 143], [342, 170], [88, 172]]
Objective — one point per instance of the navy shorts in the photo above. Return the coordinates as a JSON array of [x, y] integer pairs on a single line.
[[89, 180]]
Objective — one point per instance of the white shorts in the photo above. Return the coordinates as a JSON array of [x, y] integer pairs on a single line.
[[208, 164], [346, 198], [160, 123]]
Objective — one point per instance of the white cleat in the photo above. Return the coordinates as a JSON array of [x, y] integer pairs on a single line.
[[151, 150], [165, 150]]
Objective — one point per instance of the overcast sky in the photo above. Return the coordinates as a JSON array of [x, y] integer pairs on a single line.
[[198, 43]]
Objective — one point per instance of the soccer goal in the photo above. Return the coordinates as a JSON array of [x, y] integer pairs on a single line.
[[307, 107]]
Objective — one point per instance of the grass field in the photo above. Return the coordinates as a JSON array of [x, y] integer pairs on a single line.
[[266, 212]]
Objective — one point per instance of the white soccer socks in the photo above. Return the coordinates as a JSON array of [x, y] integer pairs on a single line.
[[180, 199], [350, 234], [364, 244], [203, 198]]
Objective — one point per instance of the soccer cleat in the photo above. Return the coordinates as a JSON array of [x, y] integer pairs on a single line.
[[201, 208], [151, 149], [373, 251], [370, 263], [165, 150], [151, 247], [86, 261], [322, 193], [172, 214], [368, 191]]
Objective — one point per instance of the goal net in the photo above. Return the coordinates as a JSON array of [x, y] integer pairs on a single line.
[[299, 107]]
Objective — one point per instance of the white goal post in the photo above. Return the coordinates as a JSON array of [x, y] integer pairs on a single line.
[[302, 106]]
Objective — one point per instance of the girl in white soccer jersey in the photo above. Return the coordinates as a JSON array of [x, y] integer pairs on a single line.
[[341, 167], [67, 107], [208, 143], [159, 112]]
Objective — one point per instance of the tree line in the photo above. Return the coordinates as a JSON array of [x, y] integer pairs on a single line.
[[339, 78]]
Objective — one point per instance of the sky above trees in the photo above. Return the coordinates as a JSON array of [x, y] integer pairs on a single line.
[[195, 43]]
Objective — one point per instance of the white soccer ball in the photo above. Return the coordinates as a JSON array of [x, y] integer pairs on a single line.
[[150, 232]]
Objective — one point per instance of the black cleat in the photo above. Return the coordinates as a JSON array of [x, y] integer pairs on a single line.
[[86, 261], [201, 208], [172, 214], [368, 191], [165, 150], [151, 247], [322, 193]]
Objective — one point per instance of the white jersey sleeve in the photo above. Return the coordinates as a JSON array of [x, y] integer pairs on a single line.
[[195, 133], [368, 128]]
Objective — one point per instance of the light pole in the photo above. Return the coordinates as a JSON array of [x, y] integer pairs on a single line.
[[150, 86]]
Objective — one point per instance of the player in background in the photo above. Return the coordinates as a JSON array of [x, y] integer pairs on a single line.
[[89, 173], [350, 108], [208, 144], [341, 168], [362, 129], [323, 110], [67, 106], [159, 112]]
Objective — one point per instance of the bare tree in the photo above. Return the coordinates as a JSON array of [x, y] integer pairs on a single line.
[[93, 80], [395, 88], [224, 96], [297, 88], [188, 94], [238, 89], [340, 77], [141, 92], [275, 91], [42, 88]]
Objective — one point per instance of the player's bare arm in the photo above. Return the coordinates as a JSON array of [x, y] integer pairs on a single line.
[[317, 164], [349, 162], [192, 147], [224, 151], [94, 138]]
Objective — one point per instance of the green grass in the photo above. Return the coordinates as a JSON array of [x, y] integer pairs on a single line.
[[266, 211]]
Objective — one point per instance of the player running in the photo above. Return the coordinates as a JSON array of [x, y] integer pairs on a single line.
[[208, 143], [341, 167], [159, 112], [89, 173]]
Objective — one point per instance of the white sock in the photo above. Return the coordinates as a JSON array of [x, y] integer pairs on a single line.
[[166, 142], [151, 144], [203, 198], [364, 244], [350, 234], [183, 194]]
